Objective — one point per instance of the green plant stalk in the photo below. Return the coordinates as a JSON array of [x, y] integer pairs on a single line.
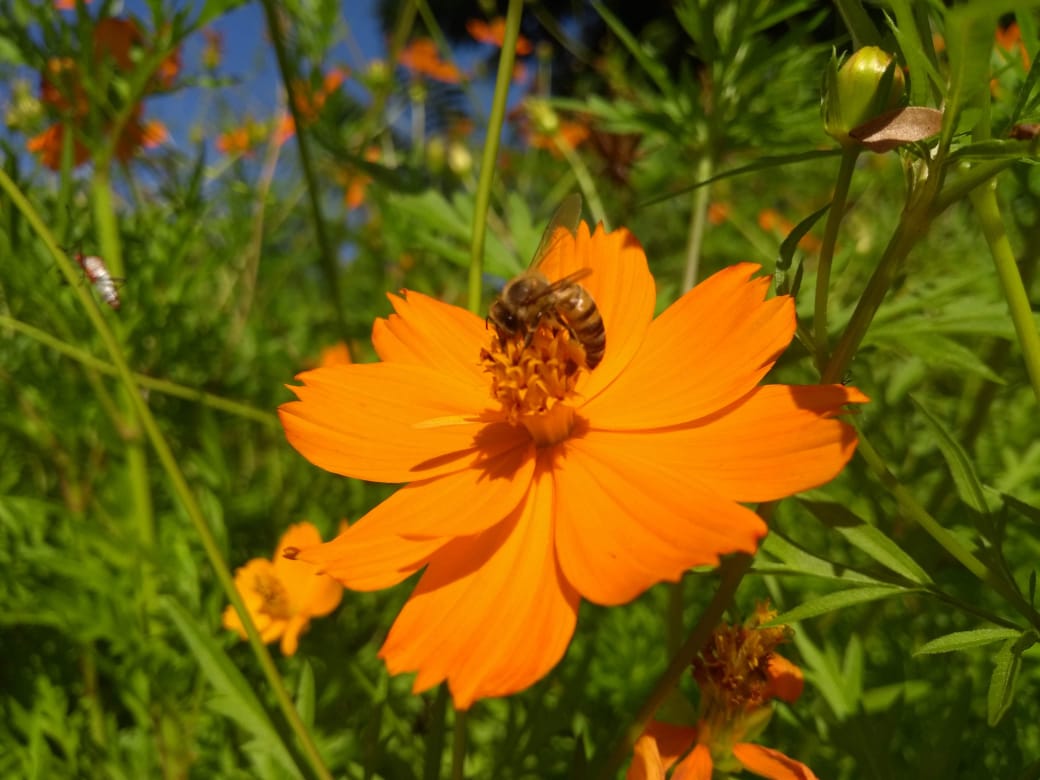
[[326, 255], [458, 746], [849, 156], [950, 543], [176, 476], [913, 224], [731, 573], [402, 29], [984, 199], [434, 744], [698, 218], [163, 386], [490, 156], [585, 180]]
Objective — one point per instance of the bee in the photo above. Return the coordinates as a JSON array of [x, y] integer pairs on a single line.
[[530, 298], [97, 272]]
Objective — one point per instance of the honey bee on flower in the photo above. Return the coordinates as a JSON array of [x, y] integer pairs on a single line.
[[530, 300], [529, 486]]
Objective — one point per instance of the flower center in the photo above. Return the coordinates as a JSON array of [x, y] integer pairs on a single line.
[[532, 375], [273, 595]]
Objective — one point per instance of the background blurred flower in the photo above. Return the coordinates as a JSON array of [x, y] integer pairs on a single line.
[[282, 595], [62, 89], [494, 33], [421, 57], [535, 483]]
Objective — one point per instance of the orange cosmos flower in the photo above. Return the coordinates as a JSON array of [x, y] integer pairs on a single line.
[[739, 673], [494, 33], [421, 56], [283, 595], [534, 483]]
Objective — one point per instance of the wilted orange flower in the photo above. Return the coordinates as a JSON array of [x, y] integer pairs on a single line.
[[61, 88], [738, 673], [282, 595], [534, 483], [494, 33], [421, 56]]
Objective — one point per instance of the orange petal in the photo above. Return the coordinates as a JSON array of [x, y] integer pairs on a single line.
[[492, 614], [705, 351], [786, 680], [372, 421], [370, 554], [621, 286], [627, 521], [646, 761], [291, 638], [673, 740], [775, 442], [773, 764], [427, 332], [696, 766]]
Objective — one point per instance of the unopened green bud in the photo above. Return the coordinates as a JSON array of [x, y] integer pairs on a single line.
[[866, 85], [460, 159], [377, 76], [436, 151], [543, 117]]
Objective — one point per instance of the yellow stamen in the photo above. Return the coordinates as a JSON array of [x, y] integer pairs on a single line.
[[533, 377]]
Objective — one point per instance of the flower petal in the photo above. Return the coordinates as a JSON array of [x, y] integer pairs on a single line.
[[625, 521], [696, 766], [646, 761], [492, 614], [621, 286], [379, 421], [705, 351], [777, 441], [786, 680], [399, 536], [773, 764], [673, 740], [428, 332]]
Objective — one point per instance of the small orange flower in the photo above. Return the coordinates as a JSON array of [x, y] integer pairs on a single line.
[[718, 212], [739, 673], [355, 183], [421, 56], [534, 482], [68, 5], [1009, 39], [282, 595], [494, 33]]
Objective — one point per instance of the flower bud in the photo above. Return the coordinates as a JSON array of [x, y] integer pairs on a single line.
[[867, 84]]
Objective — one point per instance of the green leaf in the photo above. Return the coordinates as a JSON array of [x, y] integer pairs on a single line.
[[839, 600], [784, 283], [234, 695], [652, 67], [795, 560], [969, 40], [964, 640], [961, 469], [1001, 693], [869, 539]]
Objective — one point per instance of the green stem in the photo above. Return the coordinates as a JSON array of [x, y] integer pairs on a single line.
[[458, 746], [698, 217], [830, 237], [326, 256], [911, 227], [163, 386], [985, 201], [434, 747], [948, 541], [489, 159], [585, 180], [170, 465]]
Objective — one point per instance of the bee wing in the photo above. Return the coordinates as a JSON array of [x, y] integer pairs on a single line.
[[566, 217]]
